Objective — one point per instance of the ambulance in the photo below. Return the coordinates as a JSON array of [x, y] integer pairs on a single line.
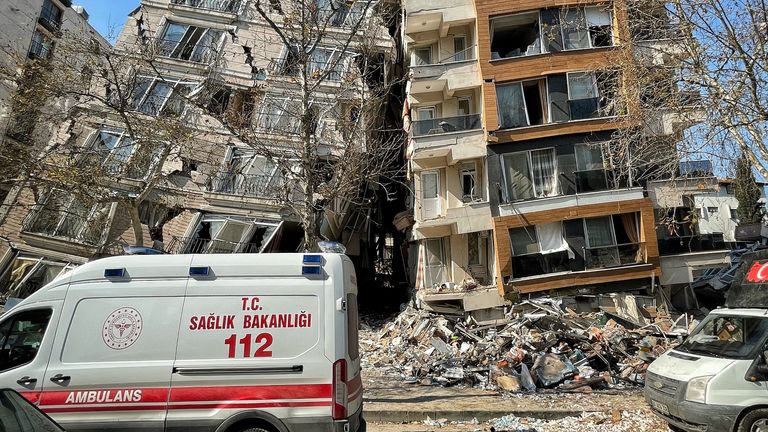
[[224, 343]]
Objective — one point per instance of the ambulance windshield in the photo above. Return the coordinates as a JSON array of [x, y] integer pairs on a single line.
[[727, 336]]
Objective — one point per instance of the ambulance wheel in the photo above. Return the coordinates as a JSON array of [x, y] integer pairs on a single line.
[[754, 421], [253, 429]]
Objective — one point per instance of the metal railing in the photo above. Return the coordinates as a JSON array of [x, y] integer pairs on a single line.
[[255, 185], [231, 6], [74, 228], [593, 258], [692, 243], [463, 55], [182, 245], [446, 125], [613, 255], [197, 53], [286, 67]]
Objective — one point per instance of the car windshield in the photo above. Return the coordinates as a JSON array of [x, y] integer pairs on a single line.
[[727, 336]]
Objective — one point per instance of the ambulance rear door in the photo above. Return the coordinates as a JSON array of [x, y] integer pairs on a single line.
[[252, 339]]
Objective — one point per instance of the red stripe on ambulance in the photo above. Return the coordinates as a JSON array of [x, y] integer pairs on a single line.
[[308, 391]]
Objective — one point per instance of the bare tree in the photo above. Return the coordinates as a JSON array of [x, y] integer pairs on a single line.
[[319, 116]]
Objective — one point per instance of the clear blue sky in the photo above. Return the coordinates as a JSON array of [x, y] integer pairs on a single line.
[[106, 15]]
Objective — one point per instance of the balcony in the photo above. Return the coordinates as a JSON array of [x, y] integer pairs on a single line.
[[446, 125], [428, 18], [182, 245], [466, 218], [447, 77], [692, 243], [227, 6], [595, 258], [253, 185]]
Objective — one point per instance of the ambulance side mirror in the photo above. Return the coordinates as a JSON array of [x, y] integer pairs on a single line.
[[758, 371], [18, 414]]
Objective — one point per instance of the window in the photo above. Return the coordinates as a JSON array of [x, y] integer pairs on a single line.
[[353, 323], [464, 107], [524, 241], [187, 42], [341, 13], [550, 30], [110, 150], [64, 215], [280, 114], [511, 106], [219, 5], [712, 210], [422, 56], [460, 48], [474, 249], [249, 174], [21, 336], [582, 95], [430, 194], [531, 174], [435, 262], [599, 232], [155, 96], [50, 16], [41, 46], [324, 63], [515, 35], [28, 273], [599, 22], [231, 234], [734, 214], [469, 183], [591, 174]]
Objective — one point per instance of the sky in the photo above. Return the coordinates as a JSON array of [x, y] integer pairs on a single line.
[[107, 15]]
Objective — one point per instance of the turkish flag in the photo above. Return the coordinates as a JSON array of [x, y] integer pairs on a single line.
[[758, 272]]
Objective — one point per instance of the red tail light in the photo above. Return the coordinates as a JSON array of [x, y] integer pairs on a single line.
[[339, 401]]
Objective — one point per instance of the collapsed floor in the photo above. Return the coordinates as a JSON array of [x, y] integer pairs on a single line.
[[537, 345]]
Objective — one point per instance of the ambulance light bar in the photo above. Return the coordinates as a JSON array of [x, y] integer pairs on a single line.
[[114, 273], [313, 260]]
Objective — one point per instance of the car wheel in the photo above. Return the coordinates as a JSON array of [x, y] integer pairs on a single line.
[[754, 421]]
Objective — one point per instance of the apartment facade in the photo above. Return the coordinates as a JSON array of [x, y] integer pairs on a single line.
[[566, 216], [218, 195], [447, 155]]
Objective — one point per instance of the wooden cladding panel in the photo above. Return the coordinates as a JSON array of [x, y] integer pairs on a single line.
[[578, 279], [501, 226], [556, 129]]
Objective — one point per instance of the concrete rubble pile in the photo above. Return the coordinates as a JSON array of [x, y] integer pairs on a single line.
[[538, 345]]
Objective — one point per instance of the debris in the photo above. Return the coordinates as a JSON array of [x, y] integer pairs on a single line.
[[539, 344]]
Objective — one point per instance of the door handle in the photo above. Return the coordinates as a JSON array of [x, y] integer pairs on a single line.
[[26, 381], [60, 379]]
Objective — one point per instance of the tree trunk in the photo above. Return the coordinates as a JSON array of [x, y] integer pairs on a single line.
[[138, 231]]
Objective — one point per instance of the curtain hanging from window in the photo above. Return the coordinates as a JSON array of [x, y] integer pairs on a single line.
[[599, 232], [551, 238], [511, 106], [543, 167]]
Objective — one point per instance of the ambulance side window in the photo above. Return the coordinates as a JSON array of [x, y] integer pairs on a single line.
[[352, 327], [20, 337]]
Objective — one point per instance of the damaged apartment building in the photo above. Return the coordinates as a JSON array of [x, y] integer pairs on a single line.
[[219, 194], [511, 106]]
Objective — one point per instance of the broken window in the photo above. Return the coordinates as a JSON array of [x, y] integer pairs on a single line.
[[219, 101], [63, 215], [515, 35], [550, 30], [524, 241], [110, 150], [469, 183], [28, 273], [582, 95], [50, 16], [154, 96], [522, 104], [187, 42], [531, 174], [340, 13], [230, 234], [249, 174]]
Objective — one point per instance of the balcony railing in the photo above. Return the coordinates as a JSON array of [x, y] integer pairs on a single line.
[[446, 125], [231, 6], [613, 256], [692, 243], [204, 53], [255, 185], [466, 54], [592, 259], [182, 245], [72, 228]]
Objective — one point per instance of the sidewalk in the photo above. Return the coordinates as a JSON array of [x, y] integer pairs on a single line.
[[388, 399]]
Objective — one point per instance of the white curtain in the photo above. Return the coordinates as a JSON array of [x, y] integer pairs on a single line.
[[544, 176], [551, 237], [511, 106]]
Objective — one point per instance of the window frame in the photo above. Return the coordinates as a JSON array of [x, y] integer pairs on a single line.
[[466, 171], [462, 52], [153, 82], [12, 319], [215, 46], [442, 267], [63, 216], [242, 243], [611, 227], [479, 251], [530, 174], [416, 58], [527, 230]]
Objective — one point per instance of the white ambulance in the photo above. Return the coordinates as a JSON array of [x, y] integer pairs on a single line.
[[224, 343]]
